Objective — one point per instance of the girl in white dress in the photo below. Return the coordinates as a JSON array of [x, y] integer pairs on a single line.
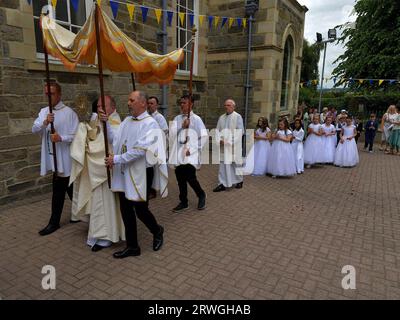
[[313, 147], [297, 146], [329, 141], [262, 147], [346, 152], [281, 160]]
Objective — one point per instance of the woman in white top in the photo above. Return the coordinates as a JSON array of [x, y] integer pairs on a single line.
[[281, 161], [329, 140], [346, 152], [262, 147], [297, 146], [386, 125], [314, 145]]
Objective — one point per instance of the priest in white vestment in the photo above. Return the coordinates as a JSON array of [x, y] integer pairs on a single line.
[[93, 201], [229, 136], [136, 144], [65, 124]]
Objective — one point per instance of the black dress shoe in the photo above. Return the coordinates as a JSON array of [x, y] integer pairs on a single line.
[[97, 247], [48, 230], [127, 252], [180, 207], [202, 202], [158, 239], [219, 188], [239, 185]]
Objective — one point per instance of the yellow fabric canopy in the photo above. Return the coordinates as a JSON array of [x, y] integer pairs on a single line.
[[119, 52]]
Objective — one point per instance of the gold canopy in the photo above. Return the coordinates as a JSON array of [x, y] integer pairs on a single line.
[[119, 52]]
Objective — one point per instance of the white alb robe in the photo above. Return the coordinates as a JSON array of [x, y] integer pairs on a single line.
[[92, 196], [134, 148], [160, 120], [197, 137], [65, 124], [230, 130]]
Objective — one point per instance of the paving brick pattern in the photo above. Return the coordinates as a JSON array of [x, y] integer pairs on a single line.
[[274, 239]]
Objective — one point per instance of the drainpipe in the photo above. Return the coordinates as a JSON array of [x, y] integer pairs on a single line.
[[164, 34], [251, 8]]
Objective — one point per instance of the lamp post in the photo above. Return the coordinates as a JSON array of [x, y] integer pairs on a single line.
[[331, 38]]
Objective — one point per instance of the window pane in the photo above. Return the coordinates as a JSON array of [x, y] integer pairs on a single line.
[[75, 29], [62, 10], [78, 17], [190, 5]]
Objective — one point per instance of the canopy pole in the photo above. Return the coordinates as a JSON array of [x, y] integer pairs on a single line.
[[100, 66], [191, 67], [133, 81], [46, 60]]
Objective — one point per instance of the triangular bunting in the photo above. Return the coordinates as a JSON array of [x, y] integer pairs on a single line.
[[224, 20], [371, 82], [334, 80], [361, 81], [131, 10], [75, 4], [201, 19], [216, 21], [230, 22], [54, 3], [170, 15], [182, 18], [210, 20], [381, 81], [239, 22], [114, 8], [244, 22], [157, 12], [145, 10], [191, 19], [392, 81], [301, 85]]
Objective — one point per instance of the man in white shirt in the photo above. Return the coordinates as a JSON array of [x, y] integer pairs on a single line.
[[229, 135], [65, 123], [131, 142], [187, 138], [152, 109]]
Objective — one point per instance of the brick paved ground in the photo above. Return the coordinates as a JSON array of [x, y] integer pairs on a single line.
[[274, 239]]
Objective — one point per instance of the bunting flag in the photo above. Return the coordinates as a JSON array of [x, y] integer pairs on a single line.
[[381, 81], [191, 20], [216, 21], [361, 81], [334, 80], [157, 12], [170, 15], [114, 8], [230, 22], [210, 20], [75, 4], [131, 10], [371, 82], [145, 10], [392, 81], [224, 20], [182, 18], [302, 84], [201, 19]]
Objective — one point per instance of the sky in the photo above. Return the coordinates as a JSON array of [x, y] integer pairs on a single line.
[[323, 15]]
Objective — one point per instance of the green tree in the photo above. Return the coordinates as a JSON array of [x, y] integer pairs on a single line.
[[373, 44], [309, 64]]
